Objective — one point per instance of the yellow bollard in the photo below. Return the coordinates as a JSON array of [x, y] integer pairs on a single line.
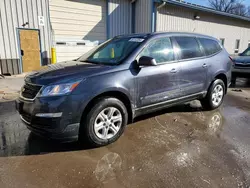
[[53, 55], [112, 53]]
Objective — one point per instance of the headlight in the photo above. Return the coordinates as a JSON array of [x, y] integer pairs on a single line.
[[60, 89]]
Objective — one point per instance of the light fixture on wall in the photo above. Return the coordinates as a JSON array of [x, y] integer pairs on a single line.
[[27, 23], [197, 17]]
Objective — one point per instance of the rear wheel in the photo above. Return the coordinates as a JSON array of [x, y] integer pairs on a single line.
[[105, 122], [215, 95]]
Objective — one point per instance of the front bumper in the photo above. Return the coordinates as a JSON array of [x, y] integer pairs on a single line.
[[52, 117], [70, 134], [241, 72]]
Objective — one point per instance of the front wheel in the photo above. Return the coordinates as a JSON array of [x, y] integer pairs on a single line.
[[215, 95], [105, 122]]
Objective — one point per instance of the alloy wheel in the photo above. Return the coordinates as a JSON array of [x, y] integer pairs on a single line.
[[108, 123], [217, 95]]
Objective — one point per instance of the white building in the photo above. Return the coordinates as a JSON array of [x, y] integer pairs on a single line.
[[29, 28]]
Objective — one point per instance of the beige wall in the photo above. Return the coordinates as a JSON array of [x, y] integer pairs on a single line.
[[82, 19], [76, 22], [172, 18]]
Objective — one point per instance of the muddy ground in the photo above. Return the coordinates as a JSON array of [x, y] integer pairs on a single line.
[[182, 146]]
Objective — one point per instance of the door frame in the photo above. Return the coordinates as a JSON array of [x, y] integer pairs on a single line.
[[19, 46]]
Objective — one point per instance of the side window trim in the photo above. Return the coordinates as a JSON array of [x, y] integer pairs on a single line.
[[201, 47], [151, 40], [177, 49]]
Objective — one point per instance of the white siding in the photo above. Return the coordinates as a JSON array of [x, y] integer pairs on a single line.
[[172, 18], [77, 21], [143, 16], [15, 13], [82, 19], [119, 17], [65, 53]]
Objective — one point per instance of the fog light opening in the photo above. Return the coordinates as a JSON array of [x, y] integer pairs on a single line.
[[49, 115]]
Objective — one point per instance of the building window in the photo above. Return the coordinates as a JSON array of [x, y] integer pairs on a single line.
[[222, 41], [237, 46]]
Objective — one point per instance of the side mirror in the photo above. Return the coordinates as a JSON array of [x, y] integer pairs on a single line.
[[240, 54], [147, 61]]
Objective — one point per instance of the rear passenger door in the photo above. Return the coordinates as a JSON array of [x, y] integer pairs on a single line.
[[214, 61], [193, 75]]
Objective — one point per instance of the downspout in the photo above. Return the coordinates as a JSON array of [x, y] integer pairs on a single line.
[[154, 24], [53, 55], [153, 16], [161, 5], [133, 15], [107, 20]]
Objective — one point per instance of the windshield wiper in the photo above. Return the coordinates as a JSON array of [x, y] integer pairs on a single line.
[[88, 61]]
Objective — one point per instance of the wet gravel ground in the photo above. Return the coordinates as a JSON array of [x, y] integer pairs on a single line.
[[182, 146]]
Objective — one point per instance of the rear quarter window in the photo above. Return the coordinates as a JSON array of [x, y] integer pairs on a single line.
[[210, 46]]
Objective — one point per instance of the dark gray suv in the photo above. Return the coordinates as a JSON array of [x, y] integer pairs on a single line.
[[94, 97]]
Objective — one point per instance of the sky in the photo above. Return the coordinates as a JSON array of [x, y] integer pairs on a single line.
[[205, 2]]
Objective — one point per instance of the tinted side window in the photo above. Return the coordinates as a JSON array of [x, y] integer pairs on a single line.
[[210, 46], [160, 49], [189, 47]]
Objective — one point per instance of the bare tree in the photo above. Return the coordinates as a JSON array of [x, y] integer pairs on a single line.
[[231, 6], [240, 9], [223, 5]]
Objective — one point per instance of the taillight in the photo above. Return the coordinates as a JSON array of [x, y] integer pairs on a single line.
[[231, 58], [232, 61]]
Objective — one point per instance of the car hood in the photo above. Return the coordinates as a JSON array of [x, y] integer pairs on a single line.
[[66, 72], [242, 59]]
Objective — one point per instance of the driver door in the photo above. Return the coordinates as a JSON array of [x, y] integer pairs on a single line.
[[159, 83]]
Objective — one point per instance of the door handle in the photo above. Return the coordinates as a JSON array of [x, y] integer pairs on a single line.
[[173, 70], [204, 65]]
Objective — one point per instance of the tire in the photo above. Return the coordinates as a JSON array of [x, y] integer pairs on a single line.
[[97, 115], [233, 80], [208, 103]]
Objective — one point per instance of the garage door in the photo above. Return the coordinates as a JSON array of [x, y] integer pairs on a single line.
[[77, 21]]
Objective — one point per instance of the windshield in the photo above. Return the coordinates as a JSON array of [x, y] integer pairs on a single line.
[[113, 51], [246, 52]]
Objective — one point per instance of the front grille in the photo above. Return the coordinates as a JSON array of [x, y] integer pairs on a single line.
[[247, 65], [29, 91]]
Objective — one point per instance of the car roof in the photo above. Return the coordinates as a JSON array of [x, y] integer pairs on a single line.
[[149, 35]]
